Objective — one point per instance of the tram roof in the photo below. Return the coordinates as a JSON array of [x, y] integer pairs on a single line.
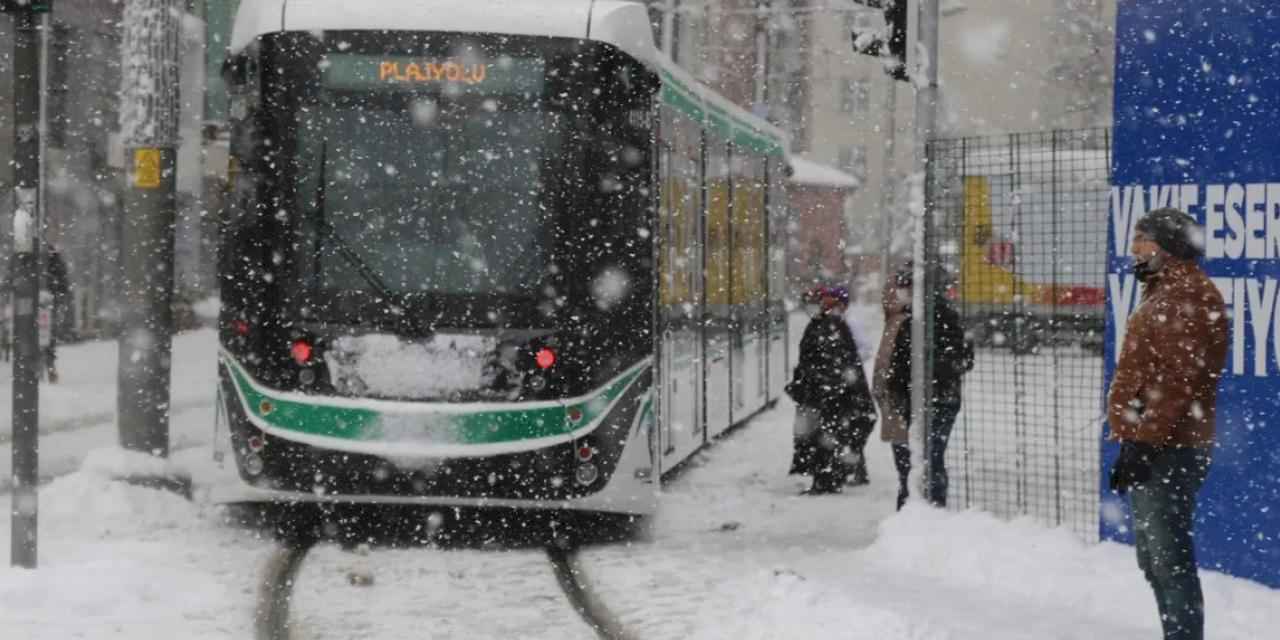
[[622, 23], [618, 22]]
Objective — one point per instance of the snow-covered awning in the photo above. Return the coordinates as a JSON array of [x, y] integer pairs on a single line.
[[810, 173]]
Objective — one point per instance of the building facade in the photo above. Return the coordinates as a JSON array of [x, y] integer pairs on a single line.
[[1025, 65]]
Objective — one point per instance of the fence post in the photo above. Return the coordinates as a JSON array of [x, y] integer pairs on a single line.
[[922, 279]]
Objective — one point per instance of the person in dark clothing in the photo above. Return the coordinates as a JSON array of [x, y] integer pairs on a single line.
[[830, 381], [952, 358], [54, 280]]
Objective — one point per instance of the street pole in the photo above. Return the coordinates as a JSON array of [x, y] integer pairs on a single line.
[[926, 83], [888, 179], [149, 128], [25, 278], [760, 99]]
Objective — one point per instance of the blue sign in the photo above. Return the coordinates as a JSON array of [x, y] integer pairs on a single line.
[[1197, 127]]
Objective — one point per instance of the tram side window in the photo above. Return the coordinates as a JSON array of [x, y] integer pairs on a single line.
[[748, 228], [718, 240], [777, 204], [667, 207], [681, 187], [688, 173]]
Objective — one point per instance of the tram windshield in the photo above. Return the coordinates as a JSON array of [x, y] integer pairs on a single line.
[[464, 177], [434, 185]]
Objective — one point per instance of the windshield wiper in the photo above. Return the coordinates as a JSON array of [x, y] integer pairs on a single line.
[[330, 233]]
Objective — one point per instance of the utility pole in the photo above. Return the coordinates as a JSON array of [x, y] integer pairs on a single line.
[[25, 279], [926, 83], [149, 127], [888, 179], [760, 99]]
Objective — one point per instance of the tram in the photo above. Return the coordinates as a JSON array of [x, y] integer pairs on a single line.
[[486, 254]]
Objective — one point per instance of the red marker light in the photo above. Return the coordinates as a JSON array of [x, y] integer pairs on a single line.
[[545, 358], [241, 327], [585, 452], [301, 351]]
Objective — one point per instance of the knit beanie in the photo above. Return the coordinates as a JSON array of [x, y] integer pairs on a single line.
[[1174, 231]]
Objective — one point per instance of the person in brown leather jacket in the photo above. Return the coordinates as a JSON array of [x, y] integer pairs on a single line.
[[1161, 408]]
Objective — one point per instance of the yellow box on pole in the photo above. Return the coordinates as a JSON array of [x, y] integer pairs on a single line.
[[146, 168]]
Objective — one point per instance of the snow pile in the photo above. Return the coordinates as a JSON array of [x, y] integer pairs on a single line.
[[386, 366], [1028, 566], [939, 574], [124, 561], [96, 502]]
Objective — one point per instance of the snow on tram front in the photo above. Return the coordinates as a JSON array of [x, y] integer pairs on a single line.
[[438, 273]]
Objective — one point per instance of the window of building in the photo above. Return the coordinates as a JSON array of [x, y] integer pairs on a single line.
[[853, 160], [855, 96], [861, 19]]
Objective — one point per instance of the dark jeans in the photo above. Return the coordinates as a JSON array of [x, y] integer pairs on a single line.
[[942, 419], [1163, 515]]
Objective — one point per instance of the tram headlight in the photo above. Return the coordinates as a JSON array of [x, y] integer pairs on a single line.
[[586, 473], [253, 464]]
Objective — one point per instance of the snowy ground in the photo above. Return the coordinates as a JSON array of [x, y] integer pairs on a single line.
[[733, 553], [77, 415]]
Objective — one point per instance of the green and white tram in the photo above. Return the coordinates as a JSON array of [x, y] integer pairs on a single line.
[[488, 253]]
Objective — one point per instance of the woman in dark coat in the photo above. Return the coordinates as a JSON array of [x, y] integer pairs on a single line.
[[830, 381], [952, 357]]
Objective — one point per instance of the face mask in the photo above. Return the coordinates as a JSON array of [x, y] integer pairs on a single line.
[[1147, 269]]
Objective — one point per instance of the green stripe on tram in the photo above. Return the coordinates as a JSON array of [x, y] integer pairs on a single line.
[[479, 427], [680, 97]]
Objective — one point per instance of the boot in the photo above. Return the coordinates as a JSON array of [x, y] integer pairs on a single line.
[[858, 471], [825, 481]]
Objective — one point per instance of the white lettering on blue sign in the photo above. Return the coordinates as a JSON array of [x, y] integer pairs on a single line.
[[1241, 221]]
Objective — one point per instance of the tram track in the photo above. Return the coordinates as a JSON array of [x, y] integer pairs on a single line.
[[275, 592], [280, 575], [577, 588]]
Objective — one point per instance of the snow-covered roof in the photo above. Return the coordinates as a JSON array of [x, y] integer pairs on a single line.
[[809, 172], [622, 24]]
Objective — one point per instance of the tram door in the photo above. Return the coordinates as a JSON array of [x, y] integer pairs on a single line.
[[751, 322], [718, 330], [779, 369], [680, 354]]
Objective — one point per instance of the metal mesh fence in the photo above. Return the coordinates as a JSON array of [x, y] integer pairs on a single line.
[[1020, 229]]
